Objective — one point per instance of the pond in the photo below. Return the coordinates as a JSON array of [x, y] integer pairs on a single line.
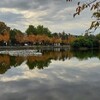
[[54, 75]]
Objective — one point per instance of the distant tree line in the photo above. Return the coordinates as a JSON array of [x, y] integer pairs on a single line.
[[87, 41], [39, 35]]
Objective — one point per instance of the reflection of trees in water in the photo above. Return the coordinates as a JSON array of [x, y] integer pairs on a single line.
[[43, 61], [4, 63], [58, 55], [15, 61], [40, 62], [85, 54]]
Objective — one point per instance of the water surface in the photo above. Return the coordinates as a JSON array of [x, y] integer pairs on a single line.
[[54, 75]]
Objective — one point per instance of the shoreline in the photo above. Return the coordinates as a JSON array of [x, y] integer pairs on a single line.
[[65, 47], [33, 47]]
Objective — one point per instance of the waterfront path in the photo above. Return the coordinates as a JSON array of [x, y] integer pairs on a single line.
[[34, 47]]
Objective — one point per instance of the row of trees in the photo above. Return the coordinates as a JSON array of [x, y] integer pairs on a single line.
[[34, 35], [4, 33], [87, 41], [42, 36], [39, 30]]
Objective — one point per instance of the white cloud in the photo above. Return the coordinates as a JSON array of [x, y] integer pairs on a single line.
[[55, 14]]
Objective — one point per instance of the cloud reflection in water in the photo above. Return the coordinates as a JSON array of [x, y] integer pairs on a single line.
[[70, 79]]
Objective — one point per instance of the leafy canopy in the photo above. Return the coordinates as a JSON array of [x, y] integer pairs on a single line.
[[94, 6]]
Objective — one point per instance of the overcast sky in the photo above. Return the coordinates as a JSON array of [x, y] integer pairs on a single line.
[[57, 15]]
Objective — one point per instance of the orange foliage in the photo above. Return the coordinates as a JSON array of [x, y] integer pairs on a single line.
[[31, 38], [1, 37], [6, 37], [5, 59], [71, 39], [55, 40], [19, 37]]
